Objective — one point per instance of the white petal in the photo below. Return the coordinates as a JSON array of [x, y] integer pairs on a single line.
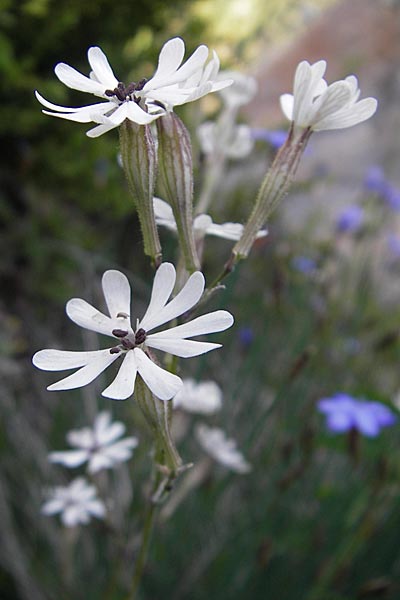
[[69, 458], [85, 315], [75, 80], [61, 360], [123, 385], [163, 384], [138, 115], [106, 432], [287, 102], [218, 320], [101, 68], [117, 293], [96, 508], [357, 113], [98, 461], [86, 374], [52, 506], [335, 98], [170, 58], [189, 295], [181, 347], [100, 129], [163, 285], [162, 209]]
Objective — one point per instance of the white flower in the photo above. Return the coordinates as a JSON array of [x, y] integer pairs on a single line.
[[133, 344], [204, 397], [97, 446], [76, 502], [235, 142], [202, 224], [221, 448], [316, 105], [242, 90], [172, 84]]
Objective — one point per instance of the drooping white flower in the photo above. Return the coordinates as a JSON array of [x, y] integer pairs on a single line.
[[315, 104], [222, 449], [172, 84], [97, 446], [133, 344], [204, 397], [242, 90], [202, 224], [235, 142], [77, 503]]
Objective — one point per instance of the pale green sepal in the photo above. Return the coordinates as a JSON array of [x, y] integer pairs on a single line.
[[139, 161]]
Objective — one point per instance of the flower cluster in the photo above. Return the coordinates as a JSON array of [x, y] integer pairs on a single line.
[[76, 503]]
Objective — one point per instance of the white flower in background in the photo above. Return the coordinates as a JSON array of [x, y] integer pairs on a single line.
[[222, 449], [319, 106], [242, 90], [172, 84], [204, 397], [235, 142], [99, 447], [132, 345], [202, 224], [77, 503]]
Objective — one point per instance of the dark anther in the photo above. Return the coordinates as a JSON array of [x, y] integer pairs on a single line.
[[127, 344], [140, 84], [114, 350], [119, 333], [140, 336], [158, 103], [122, 314]]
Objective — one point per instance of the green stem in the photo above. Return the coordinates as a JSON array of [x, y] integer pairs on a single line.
[[144, 548]]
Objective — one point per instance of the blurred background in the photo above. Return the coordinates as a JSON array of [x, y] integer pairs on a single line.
[[316, 307]]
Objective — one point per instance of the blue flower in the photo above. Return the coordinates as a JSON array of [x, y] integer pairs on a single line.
[[344, 413], [350, 219], [304, 264], [275, 138], [375, 181], [246, 336]]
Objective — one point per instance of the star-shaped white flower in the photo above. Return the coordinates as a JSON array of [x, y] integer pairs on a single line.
[[77, 503], [204, 397], [98, 446], [222, 449], [202, 224], [132, 345], [142, 102], [320, 106]]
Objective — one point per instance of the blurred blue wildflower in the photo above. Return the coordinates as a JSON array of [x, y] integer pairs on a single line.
[[345, 413], [275, 138], [375, 181], [246, 336], [304, 264], [350, 219]]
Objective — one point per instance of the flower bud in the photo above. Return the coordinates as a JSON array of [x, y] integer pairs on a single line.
[[175, 177]]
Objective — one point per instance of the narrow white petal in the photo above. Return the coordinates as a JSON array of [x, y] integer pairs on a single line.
[[69, 458], [218, 320], [117, 293], [123, 385], [98, 462], [180, 347], [101, 68], [52, 506], [357, 113], [163, 285], [106, 432], [163, 384], [61, 360], [189, 295], [76, 81], [86, 374], [96, 508], [119, 115], [287, 101], [84, 114], [170, 58], [85, 315], [334, 99], [138, 115], [100, 129]]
